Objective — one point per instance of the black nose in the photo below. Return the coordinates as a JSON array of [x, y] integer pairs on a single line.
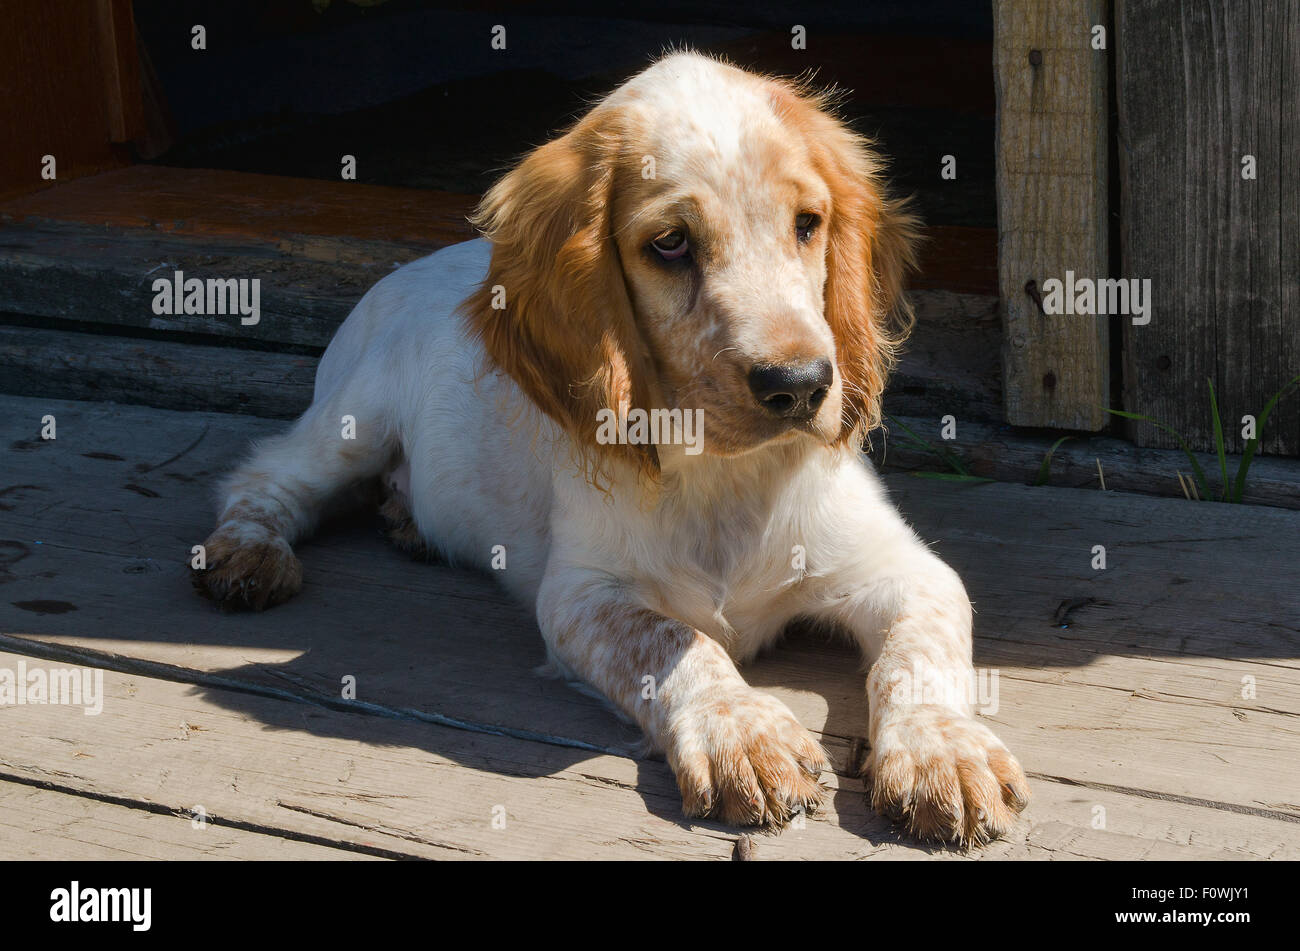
[[792, 390]]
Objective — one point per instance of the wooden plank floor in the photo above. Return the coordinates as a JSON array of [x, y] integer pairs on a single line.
[[1154, 704]]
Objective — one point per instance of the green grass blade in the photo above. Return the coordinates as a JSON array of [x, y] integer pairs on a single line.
[[907, 439], [950, 477], [1191, 457], [1218, 440], [948, 458], [1248, 454], [1045, 469]]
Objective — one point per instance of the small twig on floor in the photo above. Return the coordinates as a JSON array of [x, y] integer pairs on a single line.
[[744, 850], [1100, 475], [1192, 493], [142, 468]]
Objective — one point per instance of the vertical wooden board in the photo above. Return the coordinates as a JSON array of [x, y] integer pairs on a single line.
[[120, 62], [53, 102], [1288, 423], [1200, 86], [1286, 435], [1052, 182]]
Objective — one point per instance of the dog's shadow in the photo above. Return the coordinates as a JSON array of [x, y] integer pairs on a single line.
[[439, 647], [471, 662], [420, 655]]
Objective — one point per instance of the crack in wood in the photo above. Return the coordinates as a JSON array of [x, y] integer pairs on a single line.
[[1171, 797], [375, 829], [162, 809], [130, 665]]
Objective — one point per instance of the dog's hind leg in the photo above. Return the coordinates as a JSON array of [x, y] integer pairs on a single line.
[[396, 512], [278, 495]]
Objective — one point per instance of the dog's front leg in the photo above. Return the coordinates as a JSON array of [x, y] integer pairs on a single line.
[[932, 764], [739, 755]]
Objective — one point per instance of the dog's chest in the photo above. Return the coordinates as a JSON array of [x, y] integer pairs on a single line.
[[731, 568]]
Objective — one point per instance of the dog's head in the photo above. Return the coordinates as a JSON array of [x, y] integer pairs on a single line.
[[707, 239]]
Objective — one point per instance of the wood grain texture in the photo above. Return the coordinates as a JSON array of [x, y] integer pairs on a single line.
[[124, 106], [949, 365], [1120, 688], [149, 372], [242, 205], [87, 255], [1052, 206], [394, 788], [918, 72], [44, 824], [52, 71], [1200, 85], [102, 276], [998, 452], [958, 259]]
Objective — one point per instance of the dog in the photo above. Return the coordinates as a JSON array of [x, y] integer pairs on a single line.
[[705, 244]]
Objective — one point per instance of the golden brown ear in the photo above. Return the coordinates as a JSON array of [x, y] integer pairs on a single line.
[[553, 312], [872, 241]]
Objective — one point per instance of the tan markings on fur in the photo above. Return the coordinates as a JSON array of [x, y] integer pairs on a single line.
[[248, 512], [946, 778], [872, 246], [567, 335], [402, 530], [940, 771], [248, 566], [739, 755]]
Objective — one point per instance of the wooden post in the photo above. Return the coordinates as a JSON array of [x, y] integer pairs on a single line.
[[1051, 180], [1209, 131], [70, 91], [120, 63]]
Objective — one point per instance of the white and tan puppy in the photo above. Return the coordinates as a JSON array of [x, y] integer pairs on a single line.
[[706, 244]]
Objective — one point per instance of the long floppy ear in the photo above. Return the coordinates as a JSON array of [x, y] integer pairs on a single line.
[[566, 333], [872, 240]]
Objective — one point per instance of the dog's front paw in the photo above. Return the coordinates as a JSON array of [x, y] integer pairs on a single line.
[[248, 568], [946, 777], [740, 756]]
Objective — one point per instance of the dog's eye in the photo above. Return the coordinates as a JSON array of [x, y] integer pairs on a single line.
[[671, 245], [805, 224]]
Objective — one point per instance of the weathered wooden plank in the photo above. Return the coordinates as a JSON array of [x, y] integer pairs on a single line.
[[881, 66], [97, 274], [947, 370], [950, 365], [1200, 87], [387, 784], [1051, 182], [998, 452], [54, 102], [90, 254], [101, 276], [958, 259], [1139, 719], [242, 206], [1141, 665], [165, 373], [48, 825], [120, 67], [378, 782]]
